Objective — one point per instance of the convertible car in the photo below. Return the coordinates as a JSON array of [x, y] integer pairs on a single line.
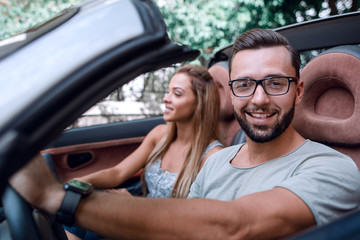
[[52, 74]]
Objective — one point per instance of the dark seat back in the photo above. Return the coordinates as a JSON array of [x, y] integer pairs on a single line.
[[330, 109]]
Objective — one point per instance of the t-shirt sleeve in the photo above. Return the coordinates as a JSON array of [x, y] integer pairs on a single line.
[[328, 184]]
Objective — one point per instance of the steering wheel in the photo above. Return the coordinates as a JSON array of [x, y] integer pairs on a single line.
[[25, 223]]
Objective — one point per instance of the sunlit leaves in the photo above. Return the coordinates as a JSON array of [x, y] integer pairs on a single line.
[[208, 25], [19, 15]]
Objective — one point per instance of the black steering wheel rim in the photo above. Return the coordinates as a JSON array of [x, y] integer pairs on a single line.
[[21, 219]]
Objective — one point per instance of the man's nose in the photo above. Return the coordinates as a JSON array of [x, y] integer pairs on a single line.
[[260, 97]]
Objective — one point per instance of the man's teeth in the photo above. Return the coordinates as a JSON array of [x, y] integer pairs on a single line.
[[261, 115]]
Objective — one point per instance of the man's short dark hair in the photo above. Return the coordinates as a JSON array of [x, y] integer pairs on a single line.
[[262, 38]]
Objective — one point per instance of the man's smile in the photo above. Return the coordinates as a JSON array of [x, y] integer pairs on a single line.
[[260, 115]]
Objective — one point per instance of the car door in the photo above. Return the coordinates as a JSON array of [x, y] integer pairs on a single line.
[[85, 150], [57, 71], [53, 73]]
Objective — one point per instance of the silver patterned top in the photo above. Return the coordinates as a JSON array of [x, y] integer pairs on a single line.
[[159, 182]]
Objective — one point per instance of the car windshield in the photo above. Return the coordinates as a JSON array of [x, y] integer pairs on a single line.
[[25, 80]]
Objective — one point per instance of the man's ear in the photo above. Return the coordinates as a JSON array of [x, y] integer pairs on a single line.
[[299, 92]]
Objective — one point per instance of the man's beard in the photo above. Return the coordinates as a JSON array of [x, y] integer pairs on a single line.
[[257, 132]]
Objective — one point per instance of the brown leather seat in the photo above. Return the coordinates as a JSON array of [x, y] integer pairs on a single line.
[[330, 110]]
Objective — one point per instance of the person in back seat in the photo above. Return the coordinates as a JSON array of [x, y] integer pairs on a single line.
[[274, 185], [230, 132]]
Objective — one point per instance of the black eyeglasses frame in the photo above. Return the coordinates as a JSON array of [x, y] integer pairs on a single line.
[[261, 82]]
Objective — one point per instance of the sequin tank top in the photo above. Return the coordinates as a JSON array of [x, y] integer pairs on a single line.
[[159, 182]]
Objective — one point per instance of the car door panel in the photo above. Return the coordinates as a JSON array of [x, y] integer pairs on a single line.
[[82, 151]]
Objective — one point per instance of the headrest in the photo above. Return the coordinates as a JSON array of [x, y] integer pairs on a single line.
[[224, 64], [330, 109]]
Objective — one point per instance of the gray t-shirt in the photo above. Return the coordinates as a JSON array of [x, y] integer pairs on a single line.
[[326, 180]]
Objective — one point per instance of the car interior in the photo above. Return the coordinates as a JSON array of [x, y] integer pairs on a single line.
[[329, 113]]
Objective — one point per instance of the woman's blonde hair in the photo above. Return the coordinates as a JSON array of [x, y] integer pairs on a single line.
[[206, 117]]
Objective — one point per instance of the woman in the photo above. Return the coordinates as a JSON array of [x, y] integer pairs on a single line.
[[173, 153]]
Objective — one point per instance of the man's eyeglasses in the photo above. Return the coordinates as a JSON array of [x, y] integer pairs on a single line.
[[274, 86]]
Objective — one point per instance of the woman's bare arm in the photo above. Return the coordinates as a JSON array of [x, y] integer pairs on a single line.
[[114, 176]]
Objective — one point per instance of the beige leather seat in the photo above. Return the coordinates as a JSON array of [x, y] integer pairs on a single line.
[[330, 110]]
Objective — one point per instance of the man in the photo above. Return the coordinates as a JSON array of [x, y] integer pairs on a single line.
[[230, 132], [276, 184]]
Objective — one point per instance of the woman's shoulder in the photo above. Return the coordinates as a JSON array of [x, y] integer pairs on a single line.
[[157, 133], [212, 148], [160, 130], [215, 143]]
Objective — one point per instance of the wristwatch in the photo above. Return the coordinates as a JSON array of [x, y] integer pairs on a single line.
[[75, 190]]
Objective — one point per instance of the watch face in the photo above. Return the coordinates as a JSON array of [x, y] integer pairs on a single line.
[[78, 186]]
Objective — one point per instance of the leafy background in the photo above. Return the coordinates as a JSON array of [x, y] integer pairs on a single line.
[[207, 25], [202, 24]]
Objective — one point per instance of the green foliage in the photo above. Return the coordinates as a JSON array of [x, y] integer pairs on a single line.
[[19, 15], [206, 25], [209, 25]]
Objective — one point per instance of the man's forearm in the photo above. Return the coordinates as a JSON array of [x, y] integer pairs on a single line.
[[249, 217], [116, 216]]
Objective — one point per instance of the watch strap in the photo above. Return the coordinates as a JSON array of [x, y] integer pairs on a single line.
[[66, 213]]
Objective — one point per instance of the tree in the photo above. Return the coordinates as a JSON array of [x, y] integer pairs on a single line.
[[19, 15], [207, 25]]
